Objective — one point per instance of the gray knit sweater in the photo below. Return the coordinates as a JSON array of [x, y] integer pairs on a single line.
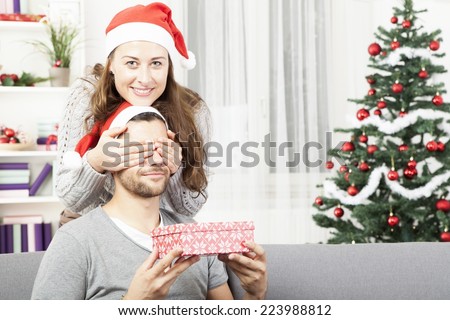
[[84, 189]]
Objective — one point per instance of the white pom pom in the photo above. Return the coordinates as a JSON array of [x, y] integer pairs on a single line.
[[190, 63], [72, 160]]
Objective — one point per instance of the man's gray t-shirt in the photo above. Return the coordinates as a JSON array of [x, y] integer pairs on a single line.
[[91, 258]]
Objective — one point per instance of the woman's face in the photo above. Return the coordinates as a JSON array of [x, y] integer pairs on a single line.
[[140, 71]]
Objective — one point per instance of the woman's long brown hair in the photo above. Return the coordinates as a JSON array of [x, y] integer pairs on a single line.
[[177, 104]]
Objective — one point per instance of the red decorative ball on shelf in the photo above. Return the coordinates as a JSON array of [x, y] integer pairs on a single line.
[[440, 146], [343, 169], [329, 164], [437, 100], [374, 49], [338, 212], [445, 236], [392, 175], [381, 104], [371, 80], [432, 146], [397, 88], [434, 45], [10, 133], [423, 74], [412, 163], [371, 92], [377, 112], [318, 201], [443, 205], [352, 190], [393, 220], [363, 138], [403, 148], [372, 148], [364, 167], [406, 24], [362, 114], [348, 146], [394, 20], [410, 172], [395, 45]]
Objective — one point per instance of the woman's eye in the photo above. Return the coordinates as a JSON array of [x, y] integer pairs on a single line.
[[132, 63], [157, 63]]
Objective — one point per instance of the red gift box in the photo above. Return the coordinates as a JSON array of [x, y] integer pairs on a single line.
[[203, 238]]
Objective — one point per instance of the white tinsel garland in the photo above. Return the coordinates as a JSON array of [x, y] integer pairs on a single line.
[[392, 127], [332, 191], [394, 57]]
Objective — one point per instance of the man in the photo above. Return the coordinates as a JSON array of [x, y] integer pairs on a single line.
[[107, 254]]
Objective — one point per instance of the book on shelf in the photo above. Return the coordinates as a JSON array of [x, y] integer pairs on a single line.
[[14, 173], [13, 165], [15, 238], [2, 238], [28, 229], [14, 180], [21, 193], [45, 172], [14, 186]]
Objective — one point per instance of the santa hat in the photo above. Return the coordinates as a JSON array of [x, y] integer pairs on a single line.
[[119, 118], [149, 23]]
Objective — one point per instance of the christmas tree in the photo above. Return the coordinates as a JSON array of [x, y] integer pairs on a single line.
[[391, 184]]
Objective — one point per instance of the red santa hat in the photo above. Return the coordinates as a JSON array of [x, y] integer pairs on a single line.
[[119, 118], [152, 23]]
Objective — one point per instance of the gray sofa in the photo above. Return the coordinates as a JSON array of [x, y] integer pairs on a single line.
[[310, 271]]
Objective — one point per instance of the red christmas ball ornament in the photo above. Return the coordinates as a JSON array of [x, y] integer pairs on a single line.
[[443, 205], [423, 74], [318, 201], [348, 146], [338, 212], [343, 169], [393, 220], [412, 163], [432, 146], [397, 88], [372, 148], [371, 92], [402, 113], [377, 112], [437, 100], [363, 138], [352, 190], [406, 24], [445, 236], [434, 45], [381, 104], [374, 49], [329, 164], [440, 146], [364, 167], [362, 114], [403, 148], [410, 172], [371, 80], [9, 132], [395, 45], [394, 20], [13, 140], [392, 175]]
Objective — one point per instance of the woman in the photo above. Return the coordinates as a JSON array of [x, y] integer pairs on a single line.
[[142, 44]]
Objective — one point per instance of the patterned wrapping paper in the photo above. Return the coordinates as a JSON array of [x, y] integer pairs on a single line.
[[204, 238]]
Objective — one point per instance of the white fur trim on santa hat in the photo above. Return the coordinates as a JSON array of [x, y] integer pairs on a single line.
[[143, 31], [190, 63], [72, 160], [125, 115]]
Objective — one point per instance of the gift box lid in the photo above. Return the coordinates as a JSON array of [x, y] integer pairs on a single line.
[[203, 227]]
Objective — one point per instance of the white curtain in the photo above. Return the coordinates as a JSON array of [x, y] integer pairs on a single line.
[[262, 70]]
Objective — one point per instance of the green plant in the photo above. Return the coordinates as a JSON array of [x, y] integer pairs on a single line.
[[63, 43]]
